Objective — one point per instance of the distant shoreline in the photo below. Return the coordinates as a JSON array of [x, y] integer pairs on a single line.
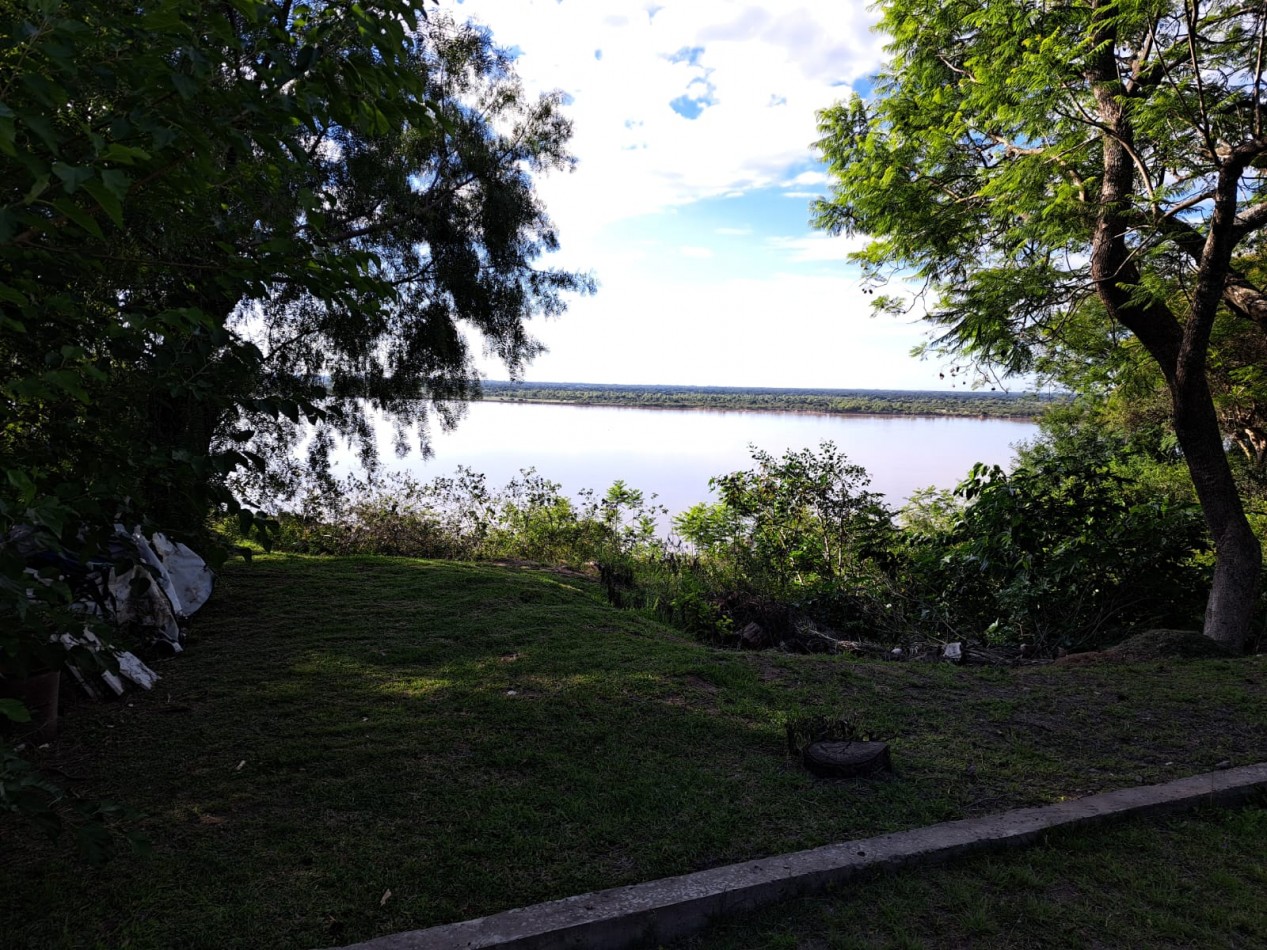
[[871, 402]]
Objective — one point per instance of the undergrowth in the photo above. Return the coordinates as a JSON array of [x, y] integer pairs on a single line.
[[1075, 548]]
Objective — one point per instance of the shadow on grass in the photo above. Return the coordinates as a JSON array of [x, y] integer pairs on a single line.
[[472, 738]]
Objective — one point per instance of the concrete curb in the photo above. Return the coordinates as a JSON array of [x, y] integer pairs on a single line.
[[660, 911]]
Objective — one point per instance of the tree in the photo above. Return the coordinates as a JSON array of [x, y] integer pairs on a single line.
[[153, 166], [206, 211], [449, 215], [1053, 169]]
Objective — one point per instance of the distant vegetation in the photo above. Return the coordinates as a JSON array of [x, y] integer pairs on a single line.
[[843, 401]]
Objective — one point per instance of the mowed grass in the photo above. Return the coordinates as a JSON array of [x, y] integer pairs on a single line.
[[474, 738], [1194, 881]]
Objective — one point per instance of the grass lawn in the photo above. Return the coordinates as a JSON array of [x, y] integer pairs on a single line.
[[474, 738], [1195, 881]]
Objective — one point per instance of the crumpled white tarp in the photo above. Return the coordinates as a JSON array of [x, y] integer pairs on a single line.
[[161, 596], [190, 577], [179, 583], [131, 667]]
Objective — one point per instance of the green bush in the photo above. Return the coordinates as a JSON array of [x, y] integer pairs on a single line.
[[459, 517], [1067, 550], [1091, 536], [801, 531]]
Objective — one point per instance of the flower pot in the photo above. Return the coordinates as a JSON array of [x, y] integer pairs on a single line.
[[39, 694]]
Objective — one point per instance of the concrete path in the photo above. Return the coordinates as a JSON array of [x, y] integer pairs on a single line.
[[645, 915]]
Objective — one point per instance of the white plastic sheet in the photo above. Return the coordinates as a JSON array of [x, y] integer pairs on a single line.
[[163, 594], [159, 594]]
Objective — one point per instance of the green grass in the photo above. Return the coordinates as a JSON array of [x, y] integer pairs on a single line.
[[474, 738], [1196, 881]]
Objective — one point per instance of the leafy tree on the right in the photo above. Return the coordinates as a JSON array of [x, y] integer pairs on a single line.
[[1071, 178]]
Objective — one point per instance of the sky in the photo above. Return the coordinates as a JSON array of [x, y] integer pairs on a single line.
[[690, 202]]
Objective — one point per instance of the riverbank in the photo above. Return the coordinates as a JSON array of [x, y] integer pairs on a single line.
[[360, 746], [966, 404]]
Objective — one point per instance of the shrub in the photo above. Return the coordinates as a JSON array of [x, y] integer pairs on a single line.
[[459, 517], [1065, 550], [801, 531]]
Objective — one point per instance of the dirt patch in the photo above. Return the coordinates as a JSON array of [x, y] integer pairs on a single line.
[[769, 673], [1157, 644], [1165, 644], [537, 567], [700, 683]]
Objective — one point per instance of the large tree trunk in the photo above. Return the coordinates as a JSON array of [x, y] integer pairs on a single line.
[[1238, 555], [176, 498], [1180, 348]]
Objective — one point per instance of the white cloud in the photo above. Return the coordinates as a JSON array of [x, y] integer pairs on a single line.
[[777, 309], [760, 74], [789, 330], [809, 178], [811, 248]]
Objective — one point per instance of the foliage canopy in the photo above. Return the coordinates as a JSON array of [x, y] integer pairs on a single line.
[[214, 218], [1065, 178]]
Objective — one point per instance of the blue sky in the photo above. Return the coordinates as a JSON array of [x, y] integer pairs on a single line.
[[693, 126]]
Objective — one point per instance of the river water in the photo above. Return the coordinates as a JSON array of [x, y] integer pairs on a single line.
[[673, 452]]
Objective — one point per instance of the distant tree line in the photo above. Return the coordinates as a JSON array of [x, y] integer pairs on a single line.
[[836, 401]]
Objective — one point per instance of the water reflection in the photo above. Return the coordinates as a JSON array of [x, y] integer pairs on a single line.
[[674, 452]]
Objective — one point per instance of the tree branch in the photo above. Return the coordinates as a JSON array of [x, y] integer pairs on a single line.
[[1250, 220], [1240, 294], [1112, 269], [1192, 16], [1258, 73]]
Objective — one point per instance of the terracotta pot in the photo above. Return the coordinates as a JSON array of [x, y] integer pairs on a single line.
[[39, 694]]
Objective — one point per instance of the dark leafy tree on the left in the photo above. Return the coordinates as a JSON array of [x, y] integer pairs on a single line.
[[212, 213]]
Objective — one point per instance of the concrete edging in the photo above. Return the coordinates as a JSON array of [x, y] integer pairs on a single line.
[[668, 909]]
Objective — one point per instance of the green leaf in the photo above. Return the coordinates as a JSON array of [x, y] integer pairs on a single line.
[[42, 127], [124, 154], [107, 199], [13, 296], [20, 480], [72, 176], [38, 187], [8, 134], [51, 514], [164, 19], [77, 214], [68, 381], [186, 86], [305, 58], [117, 182], [14, 711]]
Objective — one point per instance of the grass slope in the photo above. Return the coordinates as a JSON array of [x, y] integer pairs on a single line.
[[473, 738]]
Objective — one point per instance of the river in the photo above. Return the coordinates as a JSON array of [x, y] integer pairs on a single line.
[[673, 452]]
